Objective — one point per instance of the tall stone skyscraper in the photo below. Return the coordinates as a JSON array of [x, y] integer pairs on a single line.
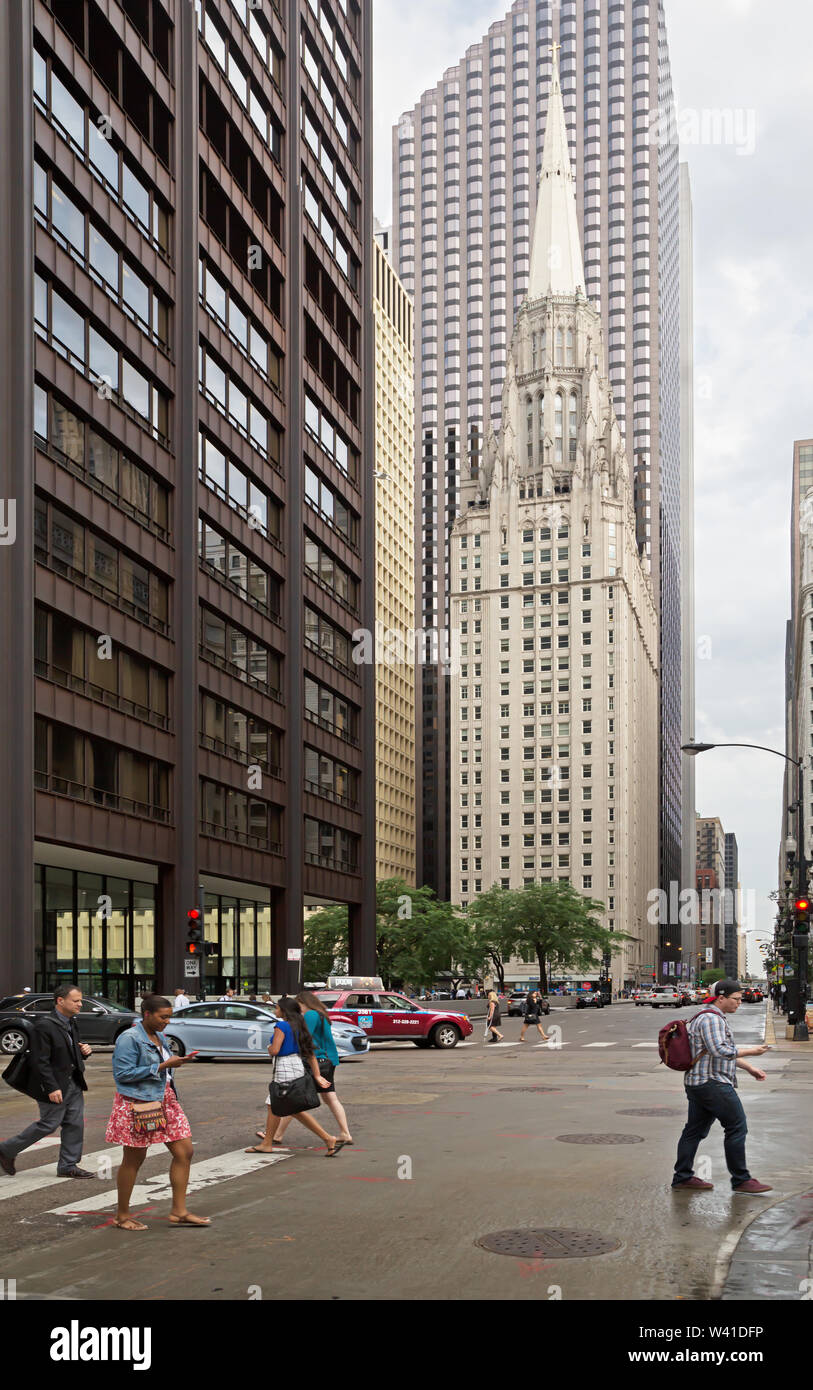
[[554, 710], [465, 161]]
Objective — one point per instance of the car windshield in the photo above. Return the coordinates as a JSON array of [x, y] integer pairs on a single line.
[[110, 1004]]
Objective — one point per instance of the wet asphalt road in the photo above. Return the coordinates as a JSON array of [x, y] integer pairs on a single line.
[[450, 1146]]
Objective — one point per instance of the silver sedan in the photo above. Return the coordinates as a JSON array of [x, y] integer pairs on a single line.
[[244, 1030]]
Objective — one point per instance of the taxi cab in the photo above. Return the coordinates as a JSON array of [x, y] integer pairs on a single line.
[[387, 1016]]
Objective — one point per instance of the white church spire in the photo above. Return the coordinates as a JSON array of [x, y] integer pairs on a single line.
[[556, 257]]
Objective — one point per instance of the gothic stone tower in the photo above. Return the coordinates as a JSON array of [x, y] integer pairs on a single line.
[[554, 710]]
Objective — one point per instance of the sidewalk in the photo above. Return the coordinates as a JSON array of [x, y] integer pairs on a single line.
[[777, 1040]]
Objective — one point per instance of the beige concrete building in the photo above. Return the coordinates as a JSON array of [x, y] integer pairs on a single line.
[[554, 711], [395, 575]]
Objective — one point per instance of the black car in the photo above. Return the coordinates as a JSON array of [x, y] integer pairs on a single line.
[[590, 999], [101, 1021]]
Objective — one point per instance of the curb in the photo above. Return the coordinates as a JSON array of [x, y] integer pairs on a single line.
[[781, 1044], [773, 1258]]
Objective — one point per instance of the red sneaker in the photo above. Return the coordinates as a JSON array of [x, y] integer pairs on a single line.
[[694, 1185], [753, 1186]]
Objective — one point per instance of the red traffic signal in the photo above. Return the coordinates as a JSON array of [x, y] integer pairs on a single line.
[[194, 932], [802, 905]]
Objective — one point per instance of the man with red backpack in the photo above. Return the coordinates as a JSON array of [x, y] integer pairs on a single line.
[[711, 1083]]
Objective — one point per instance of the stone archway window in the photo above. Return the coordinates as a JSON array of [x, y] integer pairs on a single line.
[[542, 343], [570, 358], [533, 351], [573, 425], [558, 425], [529, 420], [540, 417], [560, 338]]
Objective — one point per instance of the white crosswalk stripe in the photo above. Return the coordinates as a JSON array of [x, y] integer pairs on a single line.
[[645, 1044], [34, 1179], [158, 1189], [601, 1044]]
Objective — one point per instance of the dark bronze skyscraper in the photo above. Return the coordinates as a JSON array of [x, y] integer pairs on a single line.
[[187, 437]]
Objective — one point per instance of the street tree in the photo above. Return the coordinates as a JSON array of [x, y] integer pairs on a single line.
[[561, 926], [493, 934]]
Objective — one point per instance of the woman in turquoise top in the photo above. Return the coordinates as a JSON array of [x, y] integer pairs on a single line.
[[327, 1057]]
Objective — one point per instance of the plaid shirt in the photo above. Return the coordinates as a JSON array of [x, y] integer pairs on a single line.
[[709, 1030]]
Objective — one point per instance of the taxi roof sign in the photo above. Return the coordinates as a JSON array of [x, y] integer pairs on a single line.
[[355, 982]]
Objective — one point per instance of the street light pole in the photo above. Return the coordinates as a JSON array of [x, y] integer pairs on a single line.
[[800, 939]]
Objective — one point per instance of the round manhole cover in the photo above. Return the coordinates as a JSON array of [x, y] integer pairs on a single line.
[[600, 1138], [654, 1110], [548, 1243]]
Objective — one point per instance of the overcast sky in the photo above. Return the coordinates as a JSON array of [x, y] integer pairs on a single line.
[[753, 215]]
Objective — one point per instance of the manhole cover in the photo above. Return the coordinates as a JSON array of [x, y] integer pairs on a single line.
[[600, 1138], [654, 1110], [548, 1243]]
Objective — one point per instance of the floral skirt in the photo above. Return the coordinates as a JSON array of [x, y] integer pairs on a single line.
[[120, 1125]]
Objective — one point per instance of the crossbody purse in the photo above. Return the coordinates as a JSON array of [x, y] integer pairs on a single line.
[[149, 1116]]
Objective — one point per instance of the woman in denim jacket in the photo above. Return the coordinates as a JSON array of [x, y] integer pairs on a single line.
[[142, 1065]]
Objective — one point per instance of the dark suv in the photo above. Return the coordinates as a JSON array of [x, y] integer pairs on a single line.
[[101, 1021]]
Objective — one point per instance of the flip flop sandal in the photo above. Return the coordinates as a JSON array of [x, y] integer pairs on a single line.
[[254, 1150], [184, 1221], [132, 1226], [340, 1144]]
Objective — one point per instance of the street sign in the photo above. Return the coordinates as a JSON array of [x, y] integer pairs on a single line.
[[294, 952], [788, 972], [709, 955], [191, 967]]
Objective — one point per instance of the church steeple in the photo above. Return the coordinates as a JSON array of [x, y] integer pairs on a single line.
[[556, 257]]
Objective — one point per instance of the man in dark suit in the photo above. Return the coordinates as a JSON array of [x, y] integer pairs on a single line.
[[53, 1074]]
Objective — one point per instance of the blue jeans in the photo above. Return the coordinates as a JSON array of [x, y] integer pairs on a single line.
[[714, 1100]]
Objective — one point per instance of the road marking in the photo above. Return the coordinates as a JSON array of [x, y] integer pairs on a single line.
[[46, 1175], [212, 1170], [645, 1044], [604, 1044], [551, 1047]]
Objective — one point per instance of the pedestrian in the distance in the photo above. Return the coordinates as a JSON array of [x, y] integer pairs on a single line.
[[53, 1074], [146, 1110], [291, 1047], [532, 1009], [494, 1018], [181, 1000], [711, 1090]]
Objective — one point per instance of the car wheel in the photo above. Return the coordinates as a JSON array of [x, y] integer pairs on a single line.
[[13, 1041], [421, 1042], [445, 1035], [176, 1047]]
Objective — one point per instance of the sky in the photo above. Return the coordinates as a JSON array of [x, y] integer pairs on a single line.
[[753, 314]]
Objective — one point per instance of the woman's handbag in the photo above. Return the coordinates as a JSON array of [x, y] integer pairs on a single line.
[[149, 1116], [292, 1097]]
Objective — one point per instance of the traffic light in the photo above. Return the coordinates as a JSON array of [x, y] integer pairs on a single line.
[[801, 908], [194, 933]]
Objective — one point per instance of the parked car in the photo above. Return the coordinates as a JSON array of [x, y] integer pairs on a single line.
[[100, 1021], [243, 1030], [589, 999], [516, 1003], [386, 1015]]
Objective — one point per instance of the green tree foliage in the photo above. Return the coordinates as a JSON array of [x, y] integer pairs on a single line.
[[492, 931], [417, 937], [552, 920], [707, 977]]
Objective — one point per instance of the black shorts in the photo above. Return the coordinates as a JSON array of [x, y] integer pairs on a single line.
[[328, 1071]]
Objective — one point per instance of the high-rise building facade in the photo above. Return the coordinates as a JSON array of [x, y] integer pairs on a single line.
[[395, 574], [732, 905], [710, 877], [554, 709], [187, 367], [465, 161], [688, 646], [798, 684]]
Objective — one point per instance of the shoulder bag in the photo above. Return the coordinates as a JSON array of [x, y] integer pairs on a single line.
[[292, 1097]]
